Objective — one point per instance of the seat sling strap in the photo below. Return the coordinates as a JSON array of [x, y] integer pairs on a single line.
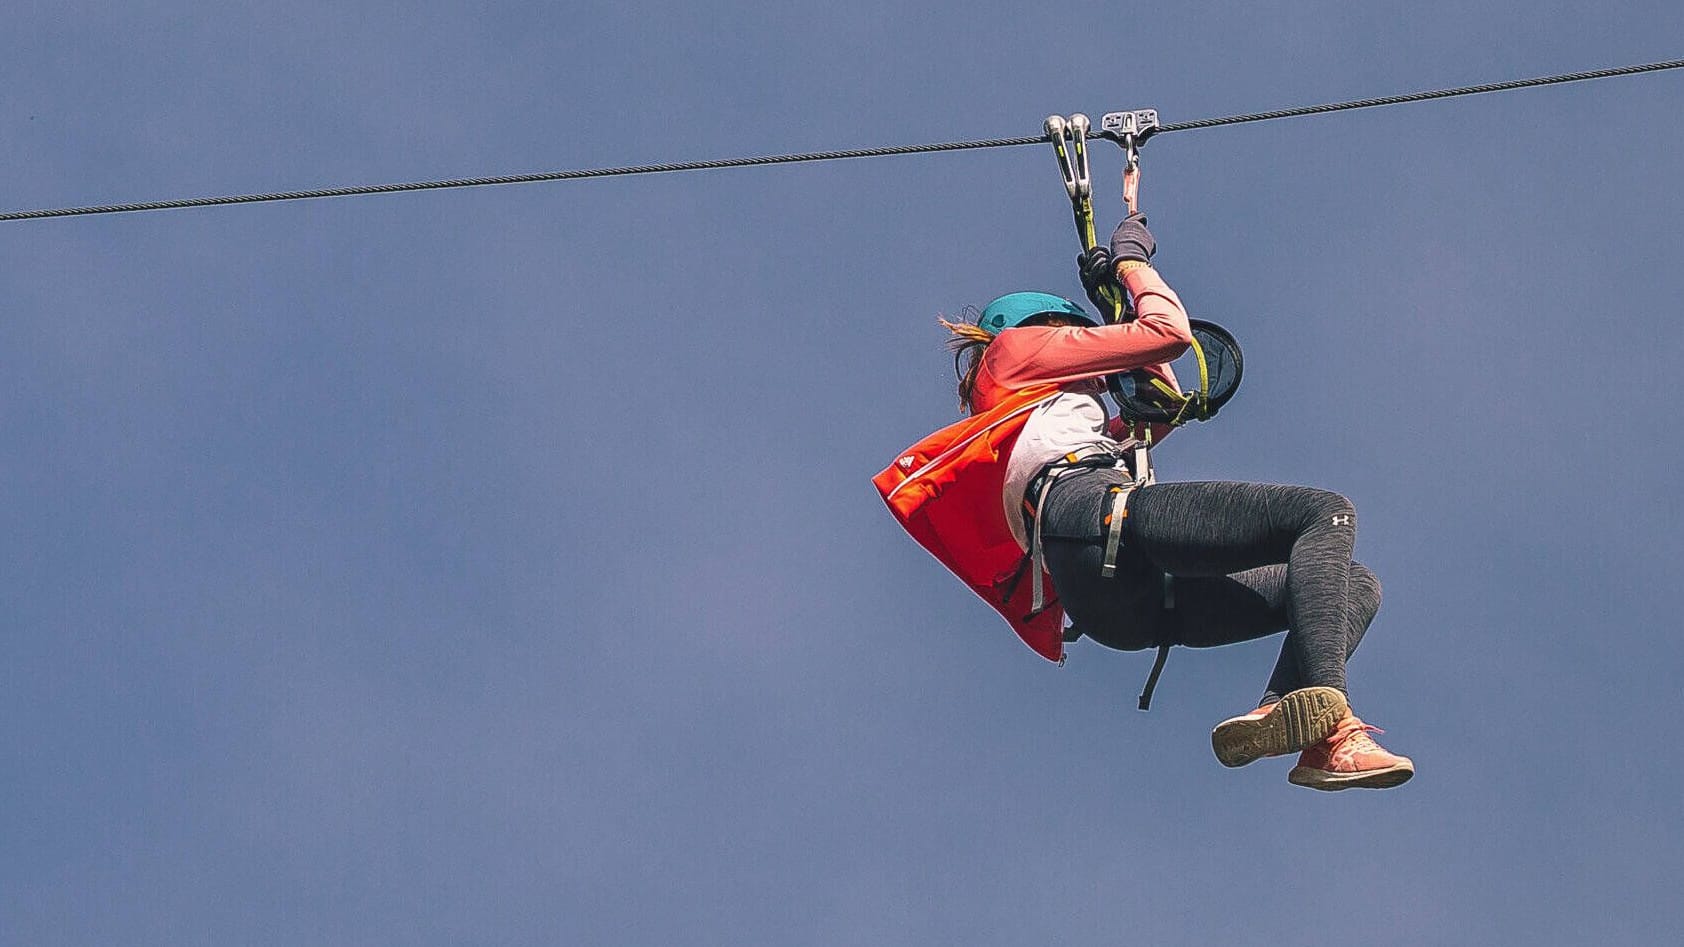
[[1142, 471], [1163, 649], [1152, 679]]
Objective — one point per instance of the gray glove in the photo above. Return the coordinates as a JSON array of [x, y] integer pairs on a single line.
[[1132, 241]]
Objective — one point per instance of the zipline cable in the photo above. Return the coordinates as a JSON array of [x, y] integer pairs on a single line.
[[519, 178], [822, 155], [1422, 96]]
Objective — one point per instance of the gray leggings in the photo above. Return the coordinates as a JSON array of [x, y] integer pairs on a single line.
[[1248, 560]]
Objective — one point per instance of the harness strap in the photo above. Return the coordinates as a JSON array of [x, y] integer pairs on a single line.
[[1163, 649], [1089, 457], [1082, 458], [1152, 679], [1142, 470], [1114, 530], [1037, 554]]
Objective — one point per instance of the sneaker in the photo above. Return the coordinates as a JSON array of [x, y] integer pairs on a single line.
[[1302, 718], [1350, 759]]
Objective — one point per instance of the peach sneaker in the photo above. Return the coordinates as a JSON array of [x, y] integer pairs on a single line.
[[1350, 759], [1303, 717]]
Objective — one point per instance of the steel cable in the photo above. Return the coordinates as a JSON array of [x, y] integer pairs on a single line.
[[1421, 96], [517, 178], [819, 155]]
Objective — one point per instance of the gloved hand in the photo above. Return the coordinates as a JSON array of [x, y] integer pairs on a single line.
[[1132, 241], [1097, 270]]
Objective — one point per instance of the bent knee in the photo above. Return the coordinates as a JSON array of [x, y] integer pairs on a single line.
[[1365, 587], [1326, 508]]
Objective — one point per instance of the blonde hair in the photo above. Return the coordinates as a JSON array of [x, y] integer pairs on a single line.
[[968, 337]]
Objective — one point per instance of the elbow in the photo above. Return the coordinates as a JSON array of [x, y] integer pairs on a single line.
[[1166, 317], [1170, 353], [1174, 334], [1183, 334], [1176, 344], [1177, 329]]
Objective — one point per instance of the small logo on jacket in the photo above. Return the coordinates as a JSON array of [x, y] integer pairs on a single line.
[[905, 463], [1343, 519]]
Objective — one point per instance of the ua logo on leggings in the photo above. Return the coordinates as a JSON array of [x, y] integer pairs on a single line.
[[1342, 519]]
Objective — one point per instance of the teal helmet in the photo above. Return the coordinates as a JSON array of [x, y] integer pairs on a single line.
[[1014, 309]]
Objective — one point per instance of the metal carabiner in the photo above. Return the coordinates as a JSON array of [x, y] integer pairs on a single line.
[[1069, 140], [1078, 131]]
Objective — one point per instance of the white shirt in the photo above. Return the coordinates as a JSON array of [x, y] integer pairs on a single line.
[[1071, 420]]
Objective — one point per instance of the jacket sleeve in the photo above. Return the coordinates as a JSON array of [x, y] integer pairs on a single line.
[[1056, 355]]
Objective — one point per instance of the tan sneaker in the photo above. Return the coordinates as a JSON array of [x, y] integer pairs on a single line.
[[1300, 719], [1350, 759]]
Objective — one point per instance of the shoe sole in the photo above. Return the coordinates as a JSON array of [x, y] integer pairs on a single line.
[[1311, 778], [1302, 718]]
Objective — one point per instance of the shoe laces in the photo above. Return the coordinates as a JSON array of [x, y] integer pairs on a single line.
[[1359, 734]]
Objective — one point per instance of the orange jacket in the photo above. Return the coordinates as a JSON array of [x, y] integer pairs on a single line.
[[963, 466]]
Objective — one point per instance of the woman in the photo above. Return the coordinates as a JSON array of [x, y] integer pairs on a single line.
[[1040, 473]]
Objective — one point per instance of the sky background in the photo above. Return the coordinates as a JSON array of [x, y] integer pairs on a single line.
[[501, 565]]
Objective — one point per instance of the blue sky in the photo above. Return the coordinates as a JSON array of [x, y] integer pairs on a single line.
[[501, 566]]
